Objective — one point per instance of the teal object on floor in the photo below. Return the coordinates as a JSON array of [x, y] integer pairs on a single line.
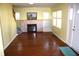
[[67, 51]]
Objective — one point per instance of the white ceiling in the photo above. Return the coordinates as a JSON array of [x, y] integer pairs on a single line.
[[34, 5]]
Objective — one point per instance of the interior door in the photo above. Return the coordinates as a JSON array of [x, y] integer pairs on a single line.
[[73, 27], [75, 41], [70, 24]]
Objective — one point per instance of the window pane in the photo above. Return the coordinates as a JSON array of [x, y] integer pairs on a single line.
[[54, 22], [59, 23], [54, 14], [59, 14], [71, 13], [17, 15], [46, 15]]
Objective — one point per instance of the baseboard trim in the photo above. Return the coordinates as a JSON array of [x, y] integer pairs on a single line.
[[66, 42], [10, 42], [59, 37]]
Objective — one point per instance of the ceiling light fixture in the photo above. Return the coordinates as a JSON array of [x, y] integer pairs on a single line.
[[31, 3]]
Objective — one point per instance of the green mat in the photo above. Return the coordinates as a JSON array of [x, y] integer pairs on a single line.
[[67, 51]]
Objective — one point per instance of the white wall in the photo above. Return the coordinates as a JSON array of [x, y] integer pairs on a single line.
[[1, 45], [8, 24]]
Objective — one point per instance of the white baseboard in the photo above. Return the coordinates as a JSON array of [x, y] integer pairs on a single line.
[[10, 42], [68, 44], [65, 42], [47, 30], [59, 37]]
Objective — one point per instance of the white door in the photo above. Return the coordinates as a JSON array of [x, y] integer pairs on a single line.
[[73, 36], [70, 24], [75, 41]]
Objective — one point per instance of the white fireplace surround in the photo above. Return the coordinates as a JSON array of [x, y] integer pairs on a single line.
[[42, 26]]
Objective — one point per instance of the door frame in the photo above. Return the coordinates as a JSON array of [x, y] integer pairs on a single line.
[[71, 5], [68, 25]]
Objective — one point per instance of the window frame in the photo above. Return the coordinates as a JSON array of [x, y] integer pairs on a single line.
[[45, 16], [17, 17], [57, 17]]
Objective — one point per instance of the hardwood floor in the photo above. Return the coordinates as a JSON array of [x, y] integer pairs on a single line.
[[35, 44]]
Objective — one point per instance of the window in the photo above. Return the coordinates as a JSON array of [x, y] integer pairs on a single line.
[[17, 15], [70, 13], [46, 15], [54, 18], [54, 14], [57, 18], [54, 22]]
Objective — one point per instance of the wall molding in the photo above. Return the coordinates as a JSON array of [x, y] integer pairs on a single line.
[[10, 42], [59, 37]]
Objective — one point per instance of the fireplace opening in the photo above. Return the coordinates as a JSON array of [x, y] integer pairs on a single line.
[[31, 27]]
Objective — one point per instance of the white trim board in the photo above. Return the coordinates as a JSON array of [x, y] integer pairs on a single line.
[[59, 37], [10, 42], [66, 42]]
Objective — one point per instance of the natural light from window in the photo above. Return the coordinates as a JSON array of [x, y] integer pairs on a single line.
[[17, 15], [71, 13], [57, 18], [54, 14], [46, 15], [54, 22]]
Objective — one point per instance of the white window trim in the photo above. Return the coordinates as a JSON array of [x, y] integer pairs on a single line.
[[56, 20], [17, 15], [45, 15]]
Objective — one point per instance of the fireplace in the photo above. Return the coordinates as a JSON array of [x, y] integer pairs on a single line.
[[31, 27]]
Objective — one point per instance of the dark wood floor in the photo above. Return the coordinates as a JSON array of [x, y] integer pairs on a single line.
[[35, 44]]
